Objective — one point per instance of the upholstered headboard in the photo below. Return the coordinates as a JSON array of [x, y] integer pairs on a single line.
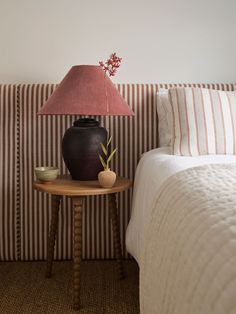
[[28, 140]]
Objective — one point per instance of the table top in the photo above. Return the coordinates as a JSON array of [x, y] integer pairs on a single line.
[[64, 185]]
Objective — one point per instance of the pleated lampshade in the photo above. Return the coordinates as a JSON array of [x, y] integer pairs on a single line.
[[86, 90]]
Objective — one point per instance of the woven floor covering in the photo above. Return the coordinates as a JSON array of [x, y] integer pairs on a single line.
[[24, 288]]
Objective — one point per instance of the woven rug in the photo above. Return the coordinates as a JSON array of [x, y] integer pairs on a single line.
[[24, 288]]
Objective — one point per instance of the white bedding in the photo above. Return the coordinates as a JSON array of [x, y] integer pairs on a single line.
[[187, 264], [154, 168]]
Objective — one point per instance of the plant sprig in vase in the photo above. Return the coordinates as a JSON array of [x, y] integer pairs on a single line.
[[107, 177]]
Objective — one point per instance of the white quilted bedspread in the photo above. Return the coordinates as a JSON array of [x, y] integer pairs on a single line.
[[188, 265]]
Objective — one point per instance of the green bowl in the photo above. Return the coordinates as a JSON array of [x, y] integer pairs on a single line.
[[46, 174]]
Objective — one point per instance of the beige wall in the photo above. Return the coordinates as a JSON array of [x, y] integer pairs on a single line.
[[159, 40]]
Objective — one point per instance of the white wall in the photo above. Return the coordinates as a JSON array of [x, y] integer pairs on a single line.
[[159, 40]]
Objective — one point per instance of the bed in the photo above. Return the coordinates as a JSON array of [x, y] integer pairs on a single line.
[[182, 232]]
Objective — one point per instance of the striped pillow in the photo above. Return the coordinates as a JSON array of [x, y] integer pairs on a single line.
[[164, 112], [204, 121]]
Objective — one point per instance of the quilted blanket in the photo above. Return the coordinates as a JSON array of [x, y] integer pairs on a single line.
[[188, 265]]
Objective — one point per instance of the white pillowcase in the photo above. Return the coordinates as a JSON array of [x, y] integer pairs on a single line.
[[164, 113], [204, 121]]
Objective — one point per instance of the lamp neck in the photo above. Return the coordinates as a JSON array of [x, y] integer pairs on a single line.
[[86, 122]]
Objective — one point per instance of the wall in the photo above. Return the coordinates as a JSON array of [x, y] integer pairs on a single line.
[[159, 40]]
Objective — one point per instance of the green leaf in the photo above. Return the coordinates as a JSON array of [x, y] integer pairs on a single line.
[[109, 141], [111, 155], [104, 149], [103, 162]]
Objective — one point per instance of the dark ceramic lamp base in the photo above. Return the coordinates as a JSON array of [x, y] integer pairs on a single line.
[[81, 146]]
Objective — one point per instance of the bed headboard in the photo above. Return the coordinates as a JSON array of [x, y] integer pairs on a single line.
[[27, 140]]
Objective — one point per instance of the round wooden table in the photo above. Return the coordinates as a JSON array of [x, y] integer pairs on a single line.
[[77, 190]]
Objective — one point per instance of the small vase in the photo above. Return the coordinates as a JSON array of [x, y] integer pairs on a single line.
[[107, 178]]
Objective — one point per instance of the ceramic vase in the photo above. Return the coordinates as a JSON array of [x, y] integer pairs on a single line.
[[81, 146], [107, 178]]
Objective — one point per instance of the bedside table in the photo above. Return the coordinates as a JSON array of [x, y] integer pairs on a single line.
[[77, 190]]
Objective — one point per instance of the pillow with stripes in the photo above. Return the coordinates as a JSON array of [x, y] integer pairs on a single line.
[[164, 113], [204, 121]]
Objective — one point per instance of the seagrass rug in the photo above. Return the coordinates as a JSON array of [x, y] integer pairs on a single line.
[[24, 288]]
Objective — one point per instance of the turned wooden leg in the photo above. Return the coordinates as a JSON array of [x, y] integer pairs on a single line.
[[77, 209], [52, 234], [116, 234]]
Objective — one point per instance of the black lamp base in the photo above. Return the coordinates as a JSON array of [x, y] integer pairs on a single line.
[[81, 146]]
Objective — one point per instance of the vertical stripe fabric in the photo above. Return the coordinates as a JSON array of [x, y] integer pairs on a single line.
[[28, 140], [9, 193], [40, 142], [204, 121]]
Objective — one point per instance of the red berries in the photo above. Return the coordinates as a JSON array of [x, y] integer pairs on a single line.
[[111, 65]]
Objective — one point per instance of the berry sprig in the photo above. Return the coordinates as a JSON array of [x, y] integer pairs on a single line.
[[111, 65]]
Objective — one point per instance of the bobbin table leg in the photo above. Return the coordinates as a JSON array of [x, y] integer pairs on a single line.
[[77, 209], [52, 235], [116, 234]]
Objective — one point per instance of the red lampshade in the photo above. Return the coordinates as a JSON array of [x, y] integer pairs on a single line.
[[86, 90]]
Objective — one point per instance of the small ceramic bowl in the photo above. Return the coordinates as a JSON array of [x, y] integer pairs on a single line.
[[46, 174]]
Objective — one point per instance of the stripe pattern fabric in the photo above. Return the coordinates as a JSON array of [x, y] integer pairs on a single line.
[[40, 142], [9, 175], [204, 121], [28, 140]]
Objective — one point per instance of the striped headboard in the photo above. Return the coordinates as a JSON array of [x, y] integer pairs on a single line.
[[28, 140]]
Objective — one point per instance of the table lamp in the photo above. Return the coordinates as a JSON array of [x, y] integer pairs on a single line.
[[86, 91]]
